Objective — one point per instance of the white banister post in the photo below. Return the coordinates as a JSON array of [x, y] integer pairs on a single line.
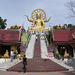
[[74, 51]]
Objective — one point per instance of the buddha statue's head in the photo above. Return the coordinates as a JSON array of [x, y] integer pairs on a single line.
[[38, 15]]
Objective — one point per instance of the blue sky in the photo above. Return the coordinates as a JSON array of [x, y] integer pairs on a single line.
[[14, 10]]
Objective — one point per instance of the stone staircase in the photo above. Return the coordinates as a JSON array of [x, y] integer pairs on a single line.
[[37, 52], [38, 64], [44, 52], [30, 49]]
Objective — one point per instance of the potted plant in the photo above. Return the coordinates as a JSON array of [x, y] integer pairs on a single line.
[[15, 54], [57, 55]]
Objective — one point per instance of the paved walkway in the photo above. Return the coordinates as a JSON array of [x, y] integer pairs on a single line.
[[71, 63], [2, 60], [7, 64], [30, 49], [37, 73]]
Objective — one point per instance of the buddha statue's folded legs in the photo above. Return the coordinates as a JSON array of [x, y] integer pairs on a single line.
[[38, 28]]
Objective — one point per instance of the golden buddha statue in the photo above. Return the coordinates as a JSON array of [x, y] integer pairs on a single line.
[[65, 54], [39, 17], [6, 55]]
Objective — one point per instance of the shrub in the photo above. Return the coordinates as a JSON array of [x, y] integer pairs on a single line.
[[57, 55]]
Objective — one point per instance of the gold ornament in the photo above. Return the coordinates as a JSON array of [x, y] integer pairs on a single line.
[[39, 18], [6, 55]]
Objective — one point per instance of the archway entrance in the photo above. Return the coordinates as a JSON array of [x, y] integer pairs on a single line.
[[61, 50], [67, 48], [70, 50]]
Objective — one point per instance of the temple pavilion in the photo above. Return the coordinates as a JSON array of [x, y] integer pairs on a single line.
[[63, 41], [9, 39]]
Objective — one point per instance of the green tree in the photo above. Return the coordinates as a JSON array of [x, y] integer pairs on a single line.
[[69, 26], [55, 27], [3, 23], [65, 25]]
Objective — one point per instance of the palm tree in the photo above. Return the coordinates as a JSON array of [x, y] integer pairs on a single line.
[[3, 23]]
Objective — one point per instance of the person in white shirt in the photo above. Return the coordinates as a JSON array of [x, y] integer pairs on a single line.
[[12, 55], [36, 37]]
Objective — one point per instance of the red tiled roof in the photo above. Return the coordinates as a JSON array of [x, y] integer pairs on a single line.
[[10, 37], [63, 36]]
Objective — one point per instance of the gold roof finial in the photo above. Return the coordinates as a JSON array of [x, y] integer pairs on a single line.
[[16, 24], [59, 26]]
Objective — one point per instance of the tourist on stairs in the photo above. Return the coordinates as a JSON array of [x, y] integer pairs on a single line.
[[24, 63], [36, 37], [12, 55]]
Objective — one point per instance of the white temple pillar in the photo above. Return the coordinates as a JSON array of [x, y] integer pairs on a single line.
[[74, 51]]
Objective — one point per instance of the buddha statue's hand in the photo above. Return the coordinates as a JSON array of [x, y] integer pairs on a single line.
[[47, 20], [28, 18], [26, 15]]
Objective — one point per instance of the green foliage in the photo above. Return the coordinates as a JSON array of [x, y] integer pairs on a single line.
[[57, 55], [14, 28], [70, 56], [24, 38], [55, 27], [48, 36], [3, 23], [69, 26], [65, 25]]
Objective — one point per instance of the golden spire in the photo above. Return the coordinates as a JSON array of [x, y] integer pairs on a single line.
[[59, 26], [16, 24]]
